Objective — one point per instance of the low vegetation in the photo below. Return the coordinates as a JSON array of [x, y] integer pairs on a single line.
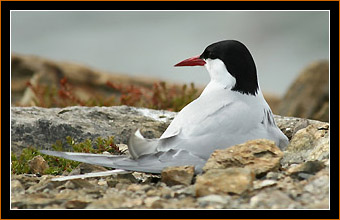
[[20, 164], [160, 96]]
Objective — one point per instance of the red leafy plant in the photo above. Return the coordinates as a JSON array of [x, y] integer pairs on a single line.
[[160, 96]]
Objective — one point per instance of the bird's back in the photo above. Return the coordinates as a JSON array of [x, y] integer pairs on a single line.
[[222, 118]]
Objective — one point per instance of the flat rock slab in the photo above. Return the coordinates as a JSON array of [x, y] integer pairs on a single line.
[[42, 127]]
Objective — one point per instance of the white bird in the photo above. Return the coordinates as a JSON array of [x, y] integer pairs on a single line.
[[231, 110]]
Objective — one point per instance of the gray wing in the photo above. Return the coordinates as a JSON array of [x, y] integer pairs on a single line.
[[150, 163]]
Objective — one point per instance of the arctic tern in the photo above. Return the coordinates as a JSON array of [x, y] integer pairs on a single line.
[[231, 110]]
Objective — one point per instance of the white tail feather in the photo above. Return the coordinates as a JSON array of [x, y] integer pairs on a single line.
[[138, 145]]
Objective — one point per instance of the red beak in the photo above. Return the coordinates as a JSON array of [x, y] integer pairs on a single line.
[[193, 61]]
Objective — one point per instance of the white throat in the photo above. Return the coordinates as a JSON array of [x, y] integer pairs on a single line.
[[219, 73]]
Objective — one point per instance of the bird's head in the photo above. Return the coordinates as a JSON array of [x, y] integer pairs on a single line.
[[229, 62]]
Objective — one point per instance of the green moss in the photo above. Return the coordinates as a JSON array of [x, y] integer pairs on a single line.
[[20, 164]]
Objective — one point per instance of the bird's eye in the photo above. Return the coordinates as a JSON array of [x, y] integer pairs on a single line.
[[212, 55], [208, 54]]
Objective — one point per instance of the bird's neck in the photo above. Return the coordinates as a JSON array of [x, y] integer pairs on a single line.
[[219, 75]]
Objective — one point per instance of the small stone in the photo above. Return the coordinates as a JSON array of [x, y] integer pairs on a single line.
[[224, 181], [303, 176], [102, 182], [81, 183], [180, 175], [213, 199], [86, 168], [274, 175], [109, 201], [272, 200], [17, 187], [130, 203], [38, 164], [44, 184], [75, 204], [263, 183], [146, 177], [127, 178], [187, 191], [151, 201], [309, 167], [261, 156]]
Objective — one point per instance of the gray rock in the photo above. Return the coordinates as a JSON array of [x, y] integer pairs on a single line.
[[309, 167], [86, 168], [303, 99], [214, 199], [268, 199], [308, 144], [17, 187], [42, 127], [290, 125]]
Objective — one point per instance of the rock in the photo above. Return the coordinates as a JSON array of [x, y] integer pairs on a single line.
[[274, 175], [224, 181], [34, 126], [180, 175], [27, 180], [17, 187], [75, 204], [38, 165], [269, 199], [147, 177], [309, 167], [86, 168], [183, 190], [259, 184], [111, 200], [79, 184], [153, 202], [308, 96], [44, 185], [46, 72], [261, 156], [308, 144], [127, 178], [309, 137], [316, 192], [213, 199]]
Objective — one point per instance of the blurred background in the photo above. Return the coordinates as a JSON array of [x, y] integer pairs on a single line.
[[149, 43], [106, 58]]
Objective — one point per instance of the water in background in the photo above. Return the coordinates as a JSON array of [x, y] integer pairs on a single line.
[[148, 43]]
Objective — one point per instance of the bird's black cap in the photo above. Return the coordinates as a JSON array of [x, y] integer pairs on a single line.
[[238, 61]]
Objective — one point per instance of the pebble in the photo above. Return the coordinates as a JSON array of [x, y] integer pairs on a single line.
[[178, 175]]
